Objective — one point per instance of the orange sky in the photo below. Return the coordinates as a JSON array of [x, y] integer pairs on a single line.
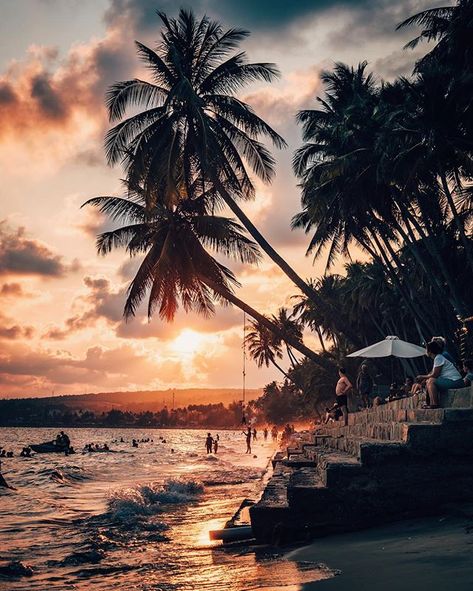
[[61, 327]]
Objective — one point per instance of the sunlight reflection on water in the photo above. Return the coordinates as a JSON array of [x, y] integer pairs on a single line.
[[97, 522]]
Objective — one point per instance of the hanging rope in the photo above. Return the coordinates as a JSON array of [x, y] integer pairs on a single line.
[[244, 357], [243, 419]]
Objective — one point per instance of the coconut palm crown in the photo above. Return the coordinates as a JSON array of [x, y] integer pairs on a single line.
[[189, 119]]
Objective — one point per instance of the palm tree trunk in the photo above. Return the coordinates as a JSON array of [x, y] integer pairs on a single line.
[[291, 356], [263, 320], [456, 217], [277, 366], [321, 339], [342, 326], [457, 300], [383, 259], [408, 299]]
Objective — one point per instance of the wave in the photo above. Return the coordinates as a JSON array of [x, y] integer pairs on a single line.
[[67, 475], [147, 500]]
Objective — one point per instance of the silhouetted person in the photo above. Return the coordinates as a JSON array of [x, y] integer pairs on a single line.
[[342, 390], [134, 443], [209, 443], [364, 384], [248, 440], [254, 434], [215, 445], [265, 433]]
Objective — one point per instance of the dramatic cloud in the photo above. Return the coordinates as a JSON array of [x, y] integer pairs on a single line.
[[20, 255], [263, 14], [45, 94], [104, 303]]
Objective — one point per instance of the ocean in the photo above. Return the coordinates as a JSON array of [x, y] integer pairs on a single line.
[[138, 518]]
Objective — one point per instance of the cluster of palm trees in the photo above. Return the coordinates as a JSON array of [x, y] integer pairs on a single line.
[[383, 166]]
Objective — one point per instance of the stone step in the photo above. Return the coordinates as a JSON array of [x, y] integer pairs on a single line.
[[382, 414], [299, 461], [279, 456], [275, 492], [367, 450], [336, 469]]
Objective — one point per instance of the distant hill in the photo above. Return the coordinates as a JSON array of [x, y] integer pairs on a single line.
[[152, 400]]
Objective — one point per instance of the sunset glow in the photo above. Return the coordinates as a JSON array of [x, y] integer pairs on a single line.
[[61, 325]]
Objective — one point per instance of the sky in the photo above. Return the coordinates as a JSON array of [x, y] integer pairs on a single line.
[[61, 325]]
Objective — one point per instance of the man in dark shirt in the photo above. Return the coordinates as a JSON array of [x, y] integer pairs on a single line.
[[364, 384]]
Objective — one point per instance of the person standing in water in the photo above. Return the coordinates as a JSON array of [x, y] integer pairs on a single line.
[[209, 443], [247, 434], [216, 440], [265, 433]]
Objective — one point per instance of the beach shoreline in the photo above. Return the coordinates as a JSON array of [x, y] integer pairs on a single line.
[[434, 553]]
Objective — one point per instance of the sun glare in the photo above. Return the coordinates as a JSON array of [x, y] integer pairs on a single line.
[[188, 342]]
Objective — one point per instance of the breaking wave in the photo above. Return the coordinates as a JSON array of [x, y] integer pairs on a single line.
[[151, 499]]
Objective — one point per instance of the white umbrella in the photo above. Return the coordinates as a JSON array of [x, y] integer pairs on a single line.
[[391, 346]]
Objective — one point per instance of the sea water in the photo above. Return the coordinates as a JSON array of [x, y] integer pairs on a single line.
[[138, 518]]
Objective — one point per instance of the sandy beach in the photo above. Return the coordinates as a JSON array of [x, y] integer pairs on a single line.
[[432, 554]]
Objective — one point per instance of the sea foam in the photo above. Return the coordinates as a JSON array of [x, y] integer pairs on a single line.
[[151, 499]]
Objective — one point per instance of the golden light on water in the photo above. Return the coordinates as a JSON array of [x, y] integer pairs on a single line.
[[203, 532]]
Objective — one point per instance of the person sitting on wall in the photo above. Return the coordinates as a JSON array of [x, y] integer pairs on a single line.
[[444, 375], [408, 385], [332, 414], [468, 369]]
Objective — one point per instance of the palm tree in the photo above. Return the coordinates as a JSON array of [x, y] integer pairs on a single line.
[[451, 28], [344, 197], [356, 187], [190, 122], [177, 267], [288, 324], [263, 347]]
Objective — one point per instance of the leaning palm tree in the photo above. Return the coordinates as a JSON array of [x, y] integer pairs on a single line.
[[177, 267], [290, 325], [263, 347], [190, 121]]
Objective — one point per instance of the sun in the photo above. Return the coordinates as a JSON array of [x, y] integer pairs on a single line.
[[188, 342]]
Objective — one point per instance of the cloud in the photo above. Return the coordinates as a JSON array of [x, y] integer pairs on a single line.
[[121, 367], [376, 20], [20, 255], [45, 96], [260, 15], [11, 331], [12, 290], [103, 302]]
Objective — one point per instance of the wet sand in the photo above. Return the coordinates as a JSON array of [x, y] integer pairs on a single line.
[[434, 554]]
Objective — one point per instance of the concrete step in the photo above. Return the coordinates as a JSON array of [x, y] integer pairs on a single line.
[[336, 469], [275, 492], [299, 461]]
